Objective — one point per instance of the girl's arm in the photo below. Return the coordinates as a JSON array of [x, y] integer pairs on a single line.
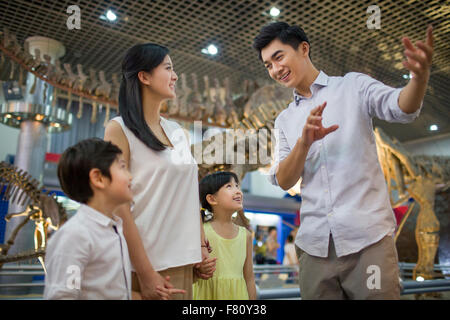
[[248, 269]]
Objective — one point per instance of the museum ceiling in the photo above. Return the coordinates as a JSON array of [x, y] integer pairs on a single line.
[[340, 40]]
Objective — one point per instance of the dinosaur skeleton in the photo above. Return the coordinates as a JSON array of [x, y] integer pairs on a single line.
[[40, 207], [417, 177], [213, 106]]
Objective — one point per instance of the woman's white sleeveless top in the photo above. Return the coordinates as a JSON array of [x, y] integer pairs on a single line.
[[166, 201]]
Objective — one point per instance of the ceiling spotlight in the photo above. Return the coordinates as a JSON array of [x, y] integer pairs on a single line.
[[419, 278], [111, 16], [211, 50], [407, 76], [433, 127], [274, 12]]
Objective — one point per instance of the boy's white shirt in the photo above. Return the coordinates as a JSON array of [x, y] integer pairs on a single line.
[[84, 259]]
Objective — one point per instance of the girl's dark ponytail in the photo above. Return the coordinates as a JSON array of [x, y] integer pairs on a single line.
[[203, 214]]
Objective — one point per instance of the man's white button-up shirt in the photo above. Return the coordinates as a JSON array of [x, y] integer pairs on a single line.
[[343, 188]]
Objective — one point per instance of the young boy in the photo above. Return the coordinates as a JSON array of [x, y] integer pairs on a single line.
[[88, 257]]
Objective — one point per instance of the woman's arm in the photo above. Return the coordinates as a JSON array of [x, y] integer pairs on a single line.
[[205, 252], [204, 269], [153, 286], [248, 269]]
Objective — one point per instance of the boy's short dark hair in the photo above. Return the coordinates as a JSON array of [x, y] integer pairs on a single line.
[[291, 35], [78, 160]]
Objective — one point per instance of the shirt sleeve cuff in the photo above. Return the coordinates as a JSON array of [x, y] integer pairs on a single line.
[[272, 177], [55, 292], [398, 113]]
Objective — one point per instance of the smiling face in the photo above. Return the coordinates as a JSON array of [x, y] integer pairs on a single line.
[[229, 197], [161, 80], [119, 186], [286, 65]]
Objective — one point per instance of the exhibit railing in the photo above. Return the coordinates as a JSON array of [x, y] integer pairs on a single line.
[[272, 281]]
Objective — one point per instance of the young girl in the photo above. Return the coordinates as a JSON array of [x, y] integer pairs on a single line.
[[231, 244]]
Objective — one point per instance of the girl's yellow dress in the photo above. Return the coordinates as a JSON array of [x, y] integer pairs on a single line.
[[228, 281]]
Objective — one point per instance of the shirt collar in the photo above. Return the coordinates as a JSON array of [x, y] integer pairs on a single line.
[[321, 80], [97, 216]]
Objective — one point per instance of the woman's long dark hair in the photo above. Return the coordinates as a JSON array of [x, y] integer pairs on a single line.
[[141, 57], [210, 184]]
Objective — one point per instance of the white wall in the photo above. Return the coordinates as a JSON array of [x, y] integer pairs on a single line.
[[8, 141], [438, 145], [260, 186]]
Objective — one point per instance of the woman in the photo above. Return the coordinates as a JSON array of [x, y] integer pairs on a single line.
[[163, 230]]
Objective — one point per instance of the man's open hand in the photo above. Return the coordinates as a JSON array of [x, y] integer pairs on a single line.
[[419, 57]]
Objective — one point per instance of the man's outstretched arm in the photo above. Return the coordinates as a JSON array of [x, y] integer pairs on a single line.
[[418, 62]]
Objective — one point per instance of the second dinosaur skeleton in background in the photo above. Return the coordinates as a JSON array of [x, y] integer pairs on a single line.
[[39, 207], [417, 177]]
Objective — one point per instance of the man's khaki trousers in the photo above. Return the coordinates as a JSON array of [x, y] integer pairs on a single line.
[[371, 273]]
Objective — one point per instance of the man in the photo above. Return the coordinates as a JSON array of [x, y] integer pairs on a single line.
[[345, 241]]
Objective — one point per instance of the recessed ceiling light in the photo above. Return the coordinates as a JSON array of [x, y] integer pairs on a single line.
[[111, 16], [274, 12], [212, 49], [407, 76], [433, 127]]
